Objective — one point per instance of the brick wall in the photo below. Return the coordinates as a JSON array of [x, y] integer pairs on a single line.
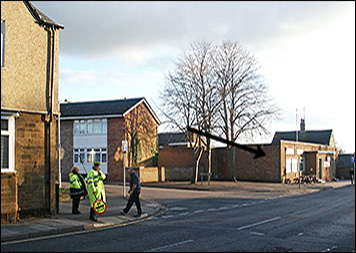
[[9, 205], [36, 184], [116, 133], [175, 157], [179, 173], [67, 145]]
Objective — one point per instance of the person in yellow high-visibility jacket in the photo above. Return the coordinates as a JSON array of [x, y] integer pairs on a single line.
[[96, 188], [77, 188]]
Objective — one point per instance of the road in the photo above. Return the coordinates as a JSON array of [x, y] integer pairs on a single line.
[[217, 221]]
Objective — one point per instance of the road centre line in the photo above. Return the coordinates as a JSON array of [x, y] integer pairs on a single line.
[[182, 214], [198, 211], [211, 209], [259, 223], [169, 246]]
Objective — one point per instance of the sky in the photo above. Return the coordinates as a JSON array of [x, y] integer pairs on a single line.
[[306, 51]]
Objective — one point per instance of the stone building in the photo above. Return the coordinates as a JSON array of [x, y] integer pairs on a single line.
[[94, 131], [29, 91]]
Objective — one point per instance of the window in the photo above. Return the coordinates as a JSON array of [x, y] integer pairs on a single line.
[[90, 127], [91, 155], [2, 42], [103, 155], [76, 127], [84, 127], [97, 126], [97, 155], [291, 165], [104, 126], [7, 144]]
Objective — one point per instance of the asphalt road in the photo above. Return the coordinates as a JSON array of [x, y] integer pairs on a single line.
[[213, 221]]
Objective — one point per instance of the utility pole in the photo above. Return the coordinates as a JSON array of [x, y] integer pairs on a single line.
[[124, 149]]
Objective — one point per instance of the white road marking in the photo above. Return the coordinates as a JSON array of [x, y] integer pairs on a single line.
[[198, 211], [167, 216], [246, 204], [178, 208], [182, 214], [300, 234], [256, 233], [234, 206], [211, 209], [259, 223], [223, 208], [169, 246]]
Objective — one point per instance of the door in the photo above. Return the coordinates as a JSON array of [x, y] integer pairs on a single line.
[[320, 168]]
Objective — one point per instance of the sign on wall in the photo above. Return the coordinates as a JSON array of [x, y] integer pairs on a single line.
[[124, 146]]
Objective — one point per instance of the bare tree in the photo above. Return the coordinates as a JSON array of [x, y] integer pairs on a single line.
[[218, 89], [189, 97], [245, 105]]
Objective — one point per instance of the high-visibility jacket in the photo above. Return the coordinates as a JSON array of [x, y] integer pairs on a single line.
[[96, 186], [76, 187]]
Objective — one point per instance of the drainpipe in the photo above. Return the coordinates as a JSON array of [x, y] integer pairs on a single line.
[[59, 145], [50, 121]]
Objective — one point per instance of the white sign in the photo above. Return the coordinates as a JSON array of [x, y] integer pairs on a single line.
[[289, 151], [326, 164], [124, 146]]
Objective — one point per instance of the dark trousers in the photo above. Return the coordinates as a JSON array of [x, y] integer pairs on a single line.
[[134, 198], [75, 203]]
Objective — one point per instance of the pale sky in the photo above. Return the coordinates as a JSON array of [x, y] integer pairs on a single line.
[[306, 50]]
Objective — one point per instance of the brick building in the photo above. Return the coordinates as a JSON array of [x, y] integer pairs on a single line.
[[29, 91], [95, 131], [344, 165], [314, 152]]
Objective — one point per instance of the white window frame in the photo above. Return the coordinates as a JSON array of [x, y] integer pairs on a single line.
[[11, 133], [2, 43], [90, 127]]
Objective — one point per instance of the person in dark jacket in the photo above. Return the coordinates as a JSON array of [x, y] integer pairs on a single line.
[[77, 188], [134, 192], [352, 175]]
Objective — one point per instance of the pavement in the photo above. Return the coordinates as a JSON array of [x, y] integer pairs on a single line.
[[65, 222]]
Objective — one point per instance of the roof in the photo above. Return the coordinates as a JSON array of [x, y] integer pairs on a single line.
[[344, 161], [116, 108], [41, 18], [166, 138], [314, 136]]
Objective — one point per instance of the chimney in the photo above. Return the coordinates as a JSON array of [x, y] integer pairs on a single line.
[[302, 125]]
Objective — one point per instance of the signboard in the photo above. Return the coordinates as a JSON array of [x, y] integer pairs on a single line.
[[124, 146], [352, 159], [99, 206], [326, 164]]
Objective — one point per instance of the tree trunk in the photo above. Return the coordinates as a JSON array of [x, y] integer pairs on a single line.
[[196, 163]]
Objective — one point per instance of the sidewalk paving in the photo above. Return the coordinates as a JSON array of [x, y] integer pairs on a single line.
[[66, 222]]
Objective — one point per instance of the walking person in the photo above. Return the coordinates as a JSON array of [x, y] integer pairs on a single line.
[[134, 192], [77, 188], [96, 187], [352, 175]]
